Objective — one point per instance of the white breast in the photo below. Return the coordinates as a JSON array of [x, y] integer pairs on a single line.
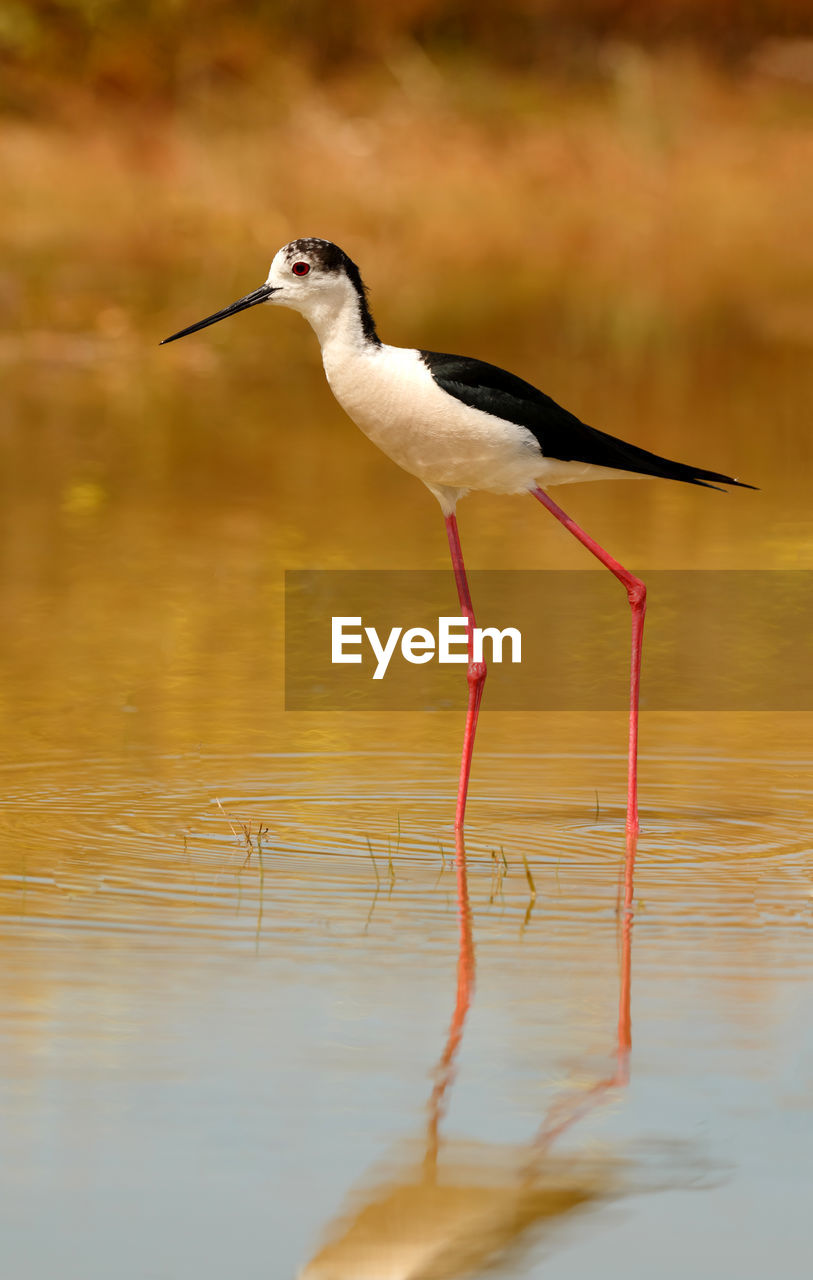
[[391, 395]]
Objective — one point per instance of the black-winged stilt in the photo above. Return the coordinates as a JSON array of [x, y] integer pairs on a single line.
[[459, 424]]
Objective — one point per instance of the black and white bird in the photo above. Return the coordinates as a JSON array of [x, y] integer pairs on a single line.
[[458, 424]]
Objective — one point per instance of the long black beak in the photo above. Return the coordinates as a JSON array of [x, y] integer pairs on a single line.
[[250, 300]]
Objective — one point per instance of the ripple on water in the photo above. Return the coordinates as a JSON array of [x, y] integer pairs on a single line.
[[207, 845]]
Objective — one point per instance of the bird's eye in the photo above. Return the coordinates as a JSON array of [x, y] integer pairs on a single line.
[[300, 268]]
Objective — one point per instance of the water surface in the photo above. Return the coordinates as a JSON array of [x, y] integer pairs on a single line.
[[233, 1028]]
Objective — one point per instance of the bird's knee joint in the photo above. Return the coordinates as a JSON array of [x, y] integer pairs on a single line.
[[636, 593], [476, 673]]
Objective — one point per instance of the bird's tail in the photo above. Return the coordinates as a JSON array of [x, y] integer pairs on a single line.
[[644, 463]]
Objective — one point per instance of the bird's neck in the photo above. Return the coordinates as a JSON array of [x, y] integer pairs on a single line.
[[348, 328]]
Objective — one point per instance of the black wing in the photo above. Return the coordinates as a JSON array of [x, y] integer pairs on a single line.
[[560, 434]]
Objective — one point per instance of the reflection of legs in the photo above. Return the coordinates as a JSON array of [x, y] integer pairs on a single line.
[[465, 986], [636, 593], [565, 1111], [476, 673]]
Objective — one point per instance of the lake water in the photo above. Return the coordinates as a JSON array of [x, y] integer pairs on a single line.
[[254, 1019]]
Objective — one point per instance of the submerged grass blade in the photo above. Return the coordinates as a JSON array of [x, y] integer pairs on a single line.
[[372, 859]]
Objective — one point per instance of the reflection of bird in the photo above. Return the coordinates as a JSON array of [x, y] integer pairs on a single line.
[[458, 424], [457, 1207], [479, 1210]]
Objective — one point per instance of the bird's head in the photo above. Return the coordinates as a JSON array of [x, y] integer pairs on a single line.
[[312, 276]]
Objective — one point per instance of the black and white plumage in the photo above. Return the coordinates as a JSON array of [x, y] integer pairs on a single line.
[[455, 422], [558, 433], [458, 424]]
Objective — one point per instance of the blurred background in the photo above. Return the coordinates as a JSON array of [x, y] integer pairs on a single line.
[[610, 197]]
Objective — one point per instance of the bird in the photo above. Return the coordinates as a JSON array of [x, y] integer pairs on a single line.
[[460, 424]]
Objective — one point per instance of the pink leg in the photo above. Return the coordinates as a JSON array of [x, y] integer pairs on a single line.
[[624, 995], [636, 593], [476, 673]]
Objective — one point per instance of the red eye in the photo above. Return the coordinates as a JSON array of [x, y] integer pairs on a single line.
[[300, 268]]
